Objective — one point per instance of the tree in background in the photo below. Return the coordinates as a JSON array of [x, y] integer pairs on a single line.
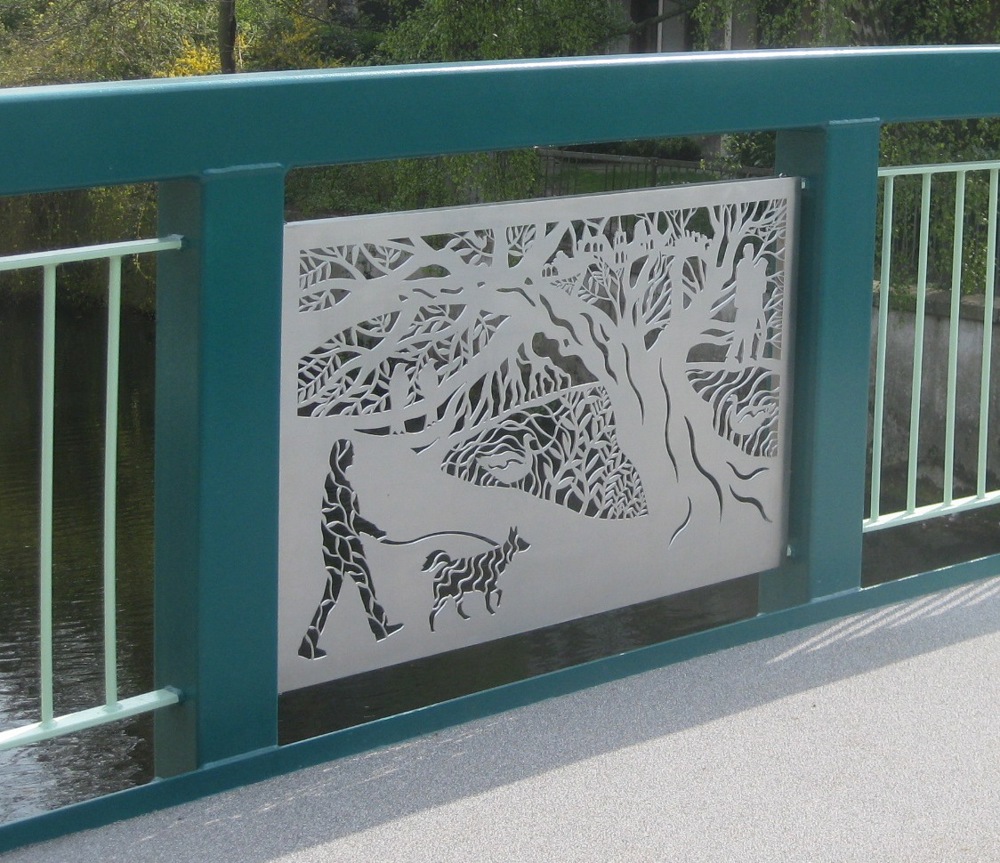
[[64, 41], [815, 23], [58, 41], [452, 30], [810, 23], [456, 30], [227, 36]]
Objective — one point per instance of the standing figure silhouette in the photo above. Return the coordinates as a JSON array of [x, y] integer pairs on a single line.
[[750, 324]]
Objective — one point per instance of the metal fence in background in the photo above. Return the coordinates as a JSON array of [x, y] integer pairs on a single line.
[[572, 172]]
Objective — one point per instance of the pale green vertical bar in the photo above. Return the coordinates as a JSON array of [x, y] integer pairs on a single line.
[[111, 479], [918, 343], [47, 458], [956, 310], [984, 382], [883, 329]]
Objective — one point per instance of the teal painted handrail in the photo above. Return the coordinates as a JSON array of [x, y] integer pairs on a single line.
[[220, 147], [165, 129]]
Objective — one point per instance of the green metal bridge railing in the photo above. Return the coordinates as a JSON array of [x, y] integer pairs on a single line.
[[984, 495], [220, 148], [114, 708]]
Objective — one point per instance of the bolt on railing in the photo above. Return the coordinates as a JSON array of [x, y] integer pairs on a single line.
[[983, 495], [114, 708]]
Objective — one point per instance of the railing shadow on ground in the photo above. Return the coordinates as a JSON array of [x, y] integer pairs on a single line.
[[279, 817]]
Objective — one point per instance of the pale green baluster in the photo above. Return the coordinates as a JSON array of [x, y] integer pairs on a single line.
[[113, 708], [883, 328], [956, 310], [111, 479], [47, 456], [918, 343], [984, 383]]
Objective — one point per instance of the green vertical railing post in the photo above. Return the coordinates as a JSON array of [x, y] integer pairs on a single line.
[[217, 360], [839, 165]]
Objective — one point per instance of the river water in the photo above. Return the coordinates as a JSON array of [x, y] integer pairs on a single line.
[[40, 777], [48, 775]]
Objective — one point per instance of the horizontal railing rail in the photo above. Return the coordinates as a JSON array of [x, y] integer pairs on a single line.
[[569, 172], [114, 708], [77, 254], [219, 147], [654, 96], [984, 494], [938, 168]]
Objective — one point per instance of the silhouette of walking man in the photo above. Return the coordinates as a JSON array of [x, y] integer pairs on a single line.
[[344, 553]]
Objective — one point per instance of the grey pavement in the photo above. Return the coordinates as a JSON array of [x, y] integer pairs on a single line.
[[871, 738]]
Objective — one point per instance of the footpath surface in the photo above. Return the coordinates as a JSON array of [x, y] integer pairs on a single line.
[[872, 738]]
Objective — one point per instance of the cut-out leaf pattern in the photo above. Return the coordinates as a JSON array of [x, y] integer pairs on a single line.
[[355, 374], [629, 306], [563, 450], [326, 275]]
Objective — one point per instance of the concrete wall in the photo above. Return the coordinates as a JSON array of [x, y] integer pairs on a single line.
[[899, 371]]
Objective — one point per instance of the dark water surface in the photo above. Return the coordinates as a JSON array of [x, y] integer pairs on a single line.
[[45, 776], [342, 703]]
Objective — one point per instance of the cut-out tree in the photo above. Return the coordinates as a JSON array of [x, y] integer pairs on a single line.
[[622, 366]]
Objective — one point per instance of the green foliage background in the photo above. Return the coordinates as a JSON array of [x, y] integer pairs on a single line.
[[64, 41], [815, 23], [57, 41]]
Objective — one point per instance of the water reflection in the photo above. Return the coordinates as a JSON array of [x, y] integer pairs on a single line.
[[350, 701], [41, 777]]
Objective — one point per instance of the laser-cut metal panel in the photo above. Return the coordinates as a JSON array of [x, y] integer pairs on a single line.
[[500, 417]]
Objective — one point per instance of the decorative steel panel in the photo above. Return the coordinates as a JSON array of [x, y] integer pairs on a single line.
[[496, 418]]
